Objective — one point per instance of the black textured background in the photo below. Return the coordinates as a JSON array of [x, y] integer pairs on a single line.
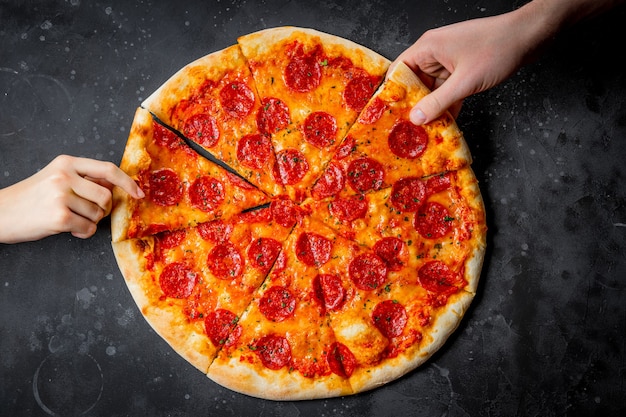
[[545, 335]]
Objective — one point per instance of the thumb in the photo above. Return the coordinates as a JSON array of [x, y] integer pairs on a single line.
[[436, 102]]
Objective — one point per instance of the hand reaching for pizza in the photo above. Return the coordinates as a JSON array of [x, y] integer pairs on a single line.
[[469, 57], [70, 194], [459, 60]]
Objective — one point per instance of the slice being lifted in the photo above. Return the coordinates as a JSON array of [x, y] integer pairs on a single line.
[[213, 102], [182, 188], [383, 146], [312, 87]]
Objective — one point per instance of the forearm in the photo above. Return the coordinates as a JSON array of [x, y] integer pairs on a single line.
[[539, 21], [561, 14], [5, 220]]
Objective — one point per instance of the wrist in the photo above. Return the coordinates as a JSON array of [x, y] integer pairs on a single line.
[[537, 23]]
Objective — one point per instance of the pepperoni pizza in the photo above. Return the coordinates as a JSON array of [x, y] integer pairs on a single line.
[[299, 238]]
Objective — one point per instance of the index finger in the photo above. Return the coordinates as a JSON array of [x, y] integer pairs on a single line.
[[109, 172]]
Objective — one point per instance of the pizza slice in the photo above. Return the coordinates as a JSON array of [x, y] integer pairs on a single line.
[[285, 348], [193, 284], [410, 316], [213, 102], [312, 87], [427, 240], [383, 146], [389, 310], [437, 217], [182, 188]]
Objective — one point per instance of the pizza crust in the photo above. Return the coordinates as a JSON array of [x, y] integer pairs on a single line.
[[182, 84], [281, 385], [162, 314], [468, 185], [134, 160], [262, 43], [393, 368]]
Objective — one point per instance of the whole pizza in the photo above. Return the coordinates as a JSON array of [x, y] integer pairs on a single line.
[[300, 238]]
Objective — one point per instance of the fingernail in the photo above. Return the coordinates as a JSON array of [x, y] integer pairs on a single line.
[[417, 117], [140, 193]]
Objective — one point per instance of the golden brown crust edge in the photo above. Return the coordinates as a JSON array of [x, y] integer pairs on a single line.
[[163, 315], [281, 385], [450, 318], [392, 369], [134, 160], [190, 77], [470, 191], [261, 43]]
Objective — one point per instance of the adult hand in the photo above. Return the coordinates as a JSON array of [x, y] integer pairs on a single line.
[[462, 59], [70, 194], [469, 57]]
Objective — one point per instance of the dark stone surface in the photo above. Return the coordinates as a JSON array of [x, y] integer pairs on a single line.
[[546, 333]]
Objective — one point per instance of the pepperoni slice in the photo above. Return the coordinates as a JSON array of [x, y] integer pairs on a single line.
[[330, 183], [253, 151], [225, 262], [277, 304], [359, 90], [263, 252], [407, 140], [165, 188], [408, 194], [206, 193], [350, 208], [222, 328], [177, 280], [390, 318], [303, 73], [341, 360], [365, 174], [367, 271], [313, 249], [273, 115], [391, 250], [373, 112], [328, 290], [437, 277], [237, 99], [433, 220], [274, 351], [320, 129], [216, 231], [202, 129], [290, 167], [284, 212]]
